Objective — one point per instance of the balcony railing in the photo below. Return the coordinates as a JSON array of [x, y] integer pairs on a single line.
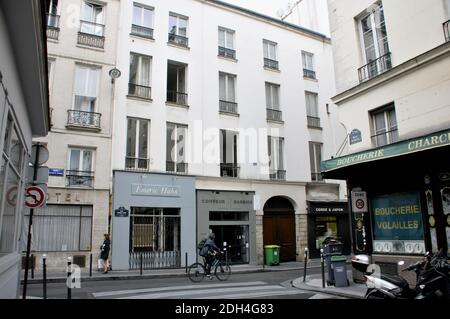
[[385, 138], [52, 26], [271, 64], [141, 31], [136, 164], [229, 170], [316, 177], [375, 67], [314, 122], [279, 175], [446, 26], [177, 97], [82, 119], [79, 178], [180, 168], [228, 53], [228, 107], [274, 115], [91, 34], [141, 91], [178, 40], [310, 74]]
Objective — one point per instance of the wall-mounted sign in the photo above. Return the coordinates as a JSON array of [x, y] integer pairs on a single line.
[[155, 190], [56, 172], [121, 212], [359, 202], [327, 208], [355, 137]]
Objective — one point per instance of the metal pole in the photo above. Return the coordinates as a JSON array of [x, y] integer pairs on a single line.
[[323, 267], [69, 274], [44, 275], [306, 261], [186, 262], [32, 266], [90, 265], [141, 264], [30, 222]]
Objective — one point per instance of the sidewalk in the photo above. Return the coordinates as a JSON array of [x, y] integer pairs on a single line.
[[314, 283]]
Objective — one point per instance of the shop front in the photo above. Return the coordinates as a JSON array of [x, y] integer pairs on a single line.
[[327, 220], [231, 217], [152, 220]]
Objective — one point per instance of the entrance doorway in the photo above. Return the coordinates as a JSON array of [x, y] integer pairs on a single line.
[[279, 227], [235, 237]]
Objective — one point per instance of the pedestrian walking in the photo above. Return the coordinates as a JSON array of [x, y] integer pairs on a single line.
[[104, 254]]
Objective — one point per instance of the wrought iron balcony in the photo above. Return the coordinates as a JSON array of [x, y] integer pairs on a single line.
[[271, 64], [84, 120], [178, 40], [279, 175], [446, 26], [229, 170], [313, 122], [228, 107], [141, 31], [375, 67], [317, 177], [385, 138], [137, 164], [274, 115], [228, 53], [79, 178], [52, 26], [91, 34], [141, 91], [177, 97], [181, 168], [310, 74]]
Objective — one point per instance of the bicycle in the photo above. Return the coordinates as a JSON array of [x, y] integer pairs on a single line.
[[222, 270]]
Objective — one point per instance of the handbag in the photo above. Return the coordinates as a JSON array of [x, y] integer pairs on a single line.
[[100, 264]]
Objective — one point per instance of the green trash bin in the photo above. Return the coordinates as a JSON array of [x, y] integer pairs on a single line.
[[272, 255]]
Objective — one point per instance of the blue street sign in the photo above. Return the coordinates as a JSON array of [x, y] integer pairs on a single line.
[[56, 172]]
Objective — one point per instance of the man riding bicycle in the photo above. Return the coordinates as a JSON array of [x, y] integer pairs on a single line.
[[209, 252]]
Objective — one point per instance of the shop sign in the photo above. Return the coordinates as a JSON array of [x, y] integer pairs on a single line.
[[359, 202], [327, 210], [355, 137], [155, 190]]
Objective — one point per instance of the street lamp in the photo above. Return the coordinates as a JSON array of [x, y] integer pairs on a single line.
[[114, 74]]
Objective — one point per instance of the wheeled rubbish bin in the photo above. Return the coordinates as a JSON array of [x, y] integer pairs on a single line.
[[272, 255], [339, 268]]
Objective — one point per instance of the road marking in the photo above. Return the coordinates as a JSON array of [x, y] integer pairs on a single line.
[[254, 295], [199, 286]]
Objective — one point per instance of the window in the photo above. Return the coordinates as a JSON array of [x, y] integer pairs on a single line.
[[315, 156], [137, 144], [92, 19], [308, 65], [273, 102], [226, 43], [50, 71], [176, 148], [312, 109], [228, 153], [227, 93], [86, 88], [52, 13], [276, 158], [384, 123], [62, 228], [143, 17], [140, 69], [270, 54], [176, 83], [178, 28], [375, 44], [80, 172]]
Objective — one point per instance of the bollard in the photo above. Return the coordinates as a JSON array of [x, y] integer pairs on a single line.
[[69, 274], [323, 267], [141, 264], [90, 265], [306, 261], [44, 275], [186, 262]]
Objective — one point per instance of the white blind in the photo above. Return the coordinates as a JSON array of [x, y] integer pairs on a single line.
[[86, 81]]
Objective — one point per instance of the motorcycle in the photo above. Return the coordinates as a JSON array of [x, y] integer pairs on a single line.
[[432, 281]]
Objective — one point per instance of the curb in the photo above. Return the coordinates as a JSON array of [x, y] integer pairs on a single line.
[[334, 293]]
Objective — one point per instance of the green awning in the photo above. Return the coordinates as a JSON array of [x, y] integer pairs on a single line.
[[437, 139]]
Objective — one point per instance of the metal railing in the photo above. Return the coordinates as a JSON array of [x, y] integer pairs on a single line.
[[385, 138], [91, 34], [136, 164], [309, 74], [278, 175], [229, 170], [228, 53], [178, 39], [272, 64], [142, 31], [177, 97], [174, 167], [80, 178], [375, 67], [274, 115], [446, 26], [316, 177], [228, 107], [53, 26], [313, 121], [83, 119], [155, 259], [140, 91]]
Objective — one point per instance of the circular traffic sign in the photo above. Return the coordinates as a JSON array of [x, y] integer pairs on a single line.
[[34, 197], [11, 196], [359, 204]]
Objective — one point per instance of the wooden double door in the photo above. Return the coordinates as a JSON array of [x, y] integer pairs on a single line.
[[279, 229]]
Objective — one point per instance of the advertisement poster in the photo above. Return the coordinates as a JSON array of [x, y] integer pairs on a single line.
[[397, 217]]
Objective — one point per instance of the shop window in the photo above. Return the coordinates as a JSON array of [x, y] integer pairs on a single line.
[[325, 227]]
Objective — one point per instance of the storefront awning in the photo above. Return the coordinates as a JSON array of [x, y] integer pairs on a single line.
[[434, 140]]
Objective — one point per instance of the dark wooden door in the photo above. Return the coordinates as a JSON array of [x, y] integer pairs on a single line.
[[279, 229]]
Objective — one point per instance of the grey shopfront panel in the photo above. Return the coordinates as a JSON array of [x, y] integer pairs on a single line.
[[233, 211], [133, 189]]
